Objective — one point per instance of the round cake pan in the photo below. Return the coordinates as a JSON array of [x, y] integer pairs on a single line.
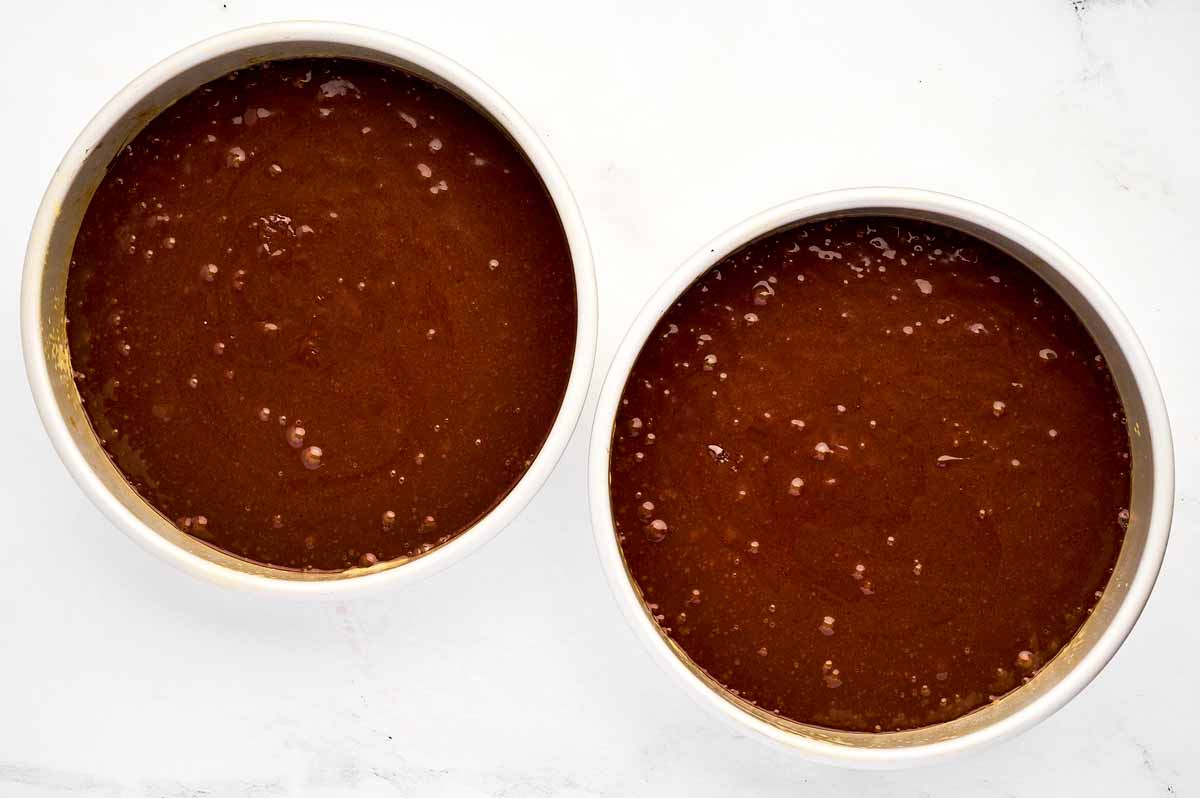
[[43, 323], [1137, 565]]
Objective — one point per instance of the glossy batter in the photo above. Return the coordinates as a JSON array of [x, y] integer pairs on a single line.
[[870, 474], [321, 314]]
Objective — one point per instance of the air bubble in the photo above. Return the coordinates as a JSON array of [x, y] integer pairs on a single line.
[[311, 457], [656, 530], [762, 292], [295, 436]]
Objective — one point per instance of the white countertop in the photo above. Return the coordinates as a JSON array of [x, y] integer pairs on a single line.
[[513, 673]]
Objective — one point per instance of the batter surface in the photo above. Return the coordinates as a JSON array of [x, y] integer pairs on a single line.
[[870, 474], [321, 314]]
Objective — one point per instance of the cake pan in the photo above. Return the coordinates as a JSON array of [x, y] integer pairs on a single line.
[[43, 324], [1137, 565]]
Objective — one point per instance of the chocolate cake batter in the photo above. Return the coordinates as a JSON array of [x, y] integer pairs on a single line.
[[870, 474], [322, 314]]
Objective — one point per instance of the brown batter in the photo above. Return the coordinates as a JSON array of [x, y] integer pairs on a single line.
[[322, 314], [870, 474]]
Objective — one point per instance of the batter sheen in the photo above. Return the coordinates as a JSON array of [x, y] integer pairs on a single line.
[[870, 474], [321, 313]]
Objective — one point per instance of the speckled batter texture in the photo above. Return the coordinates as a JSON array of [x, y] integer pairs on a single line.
[[870, 474], [322, 314]]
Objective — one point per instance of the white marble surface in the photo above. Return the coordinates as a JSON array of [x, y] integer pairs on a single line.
[[513, 674]]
